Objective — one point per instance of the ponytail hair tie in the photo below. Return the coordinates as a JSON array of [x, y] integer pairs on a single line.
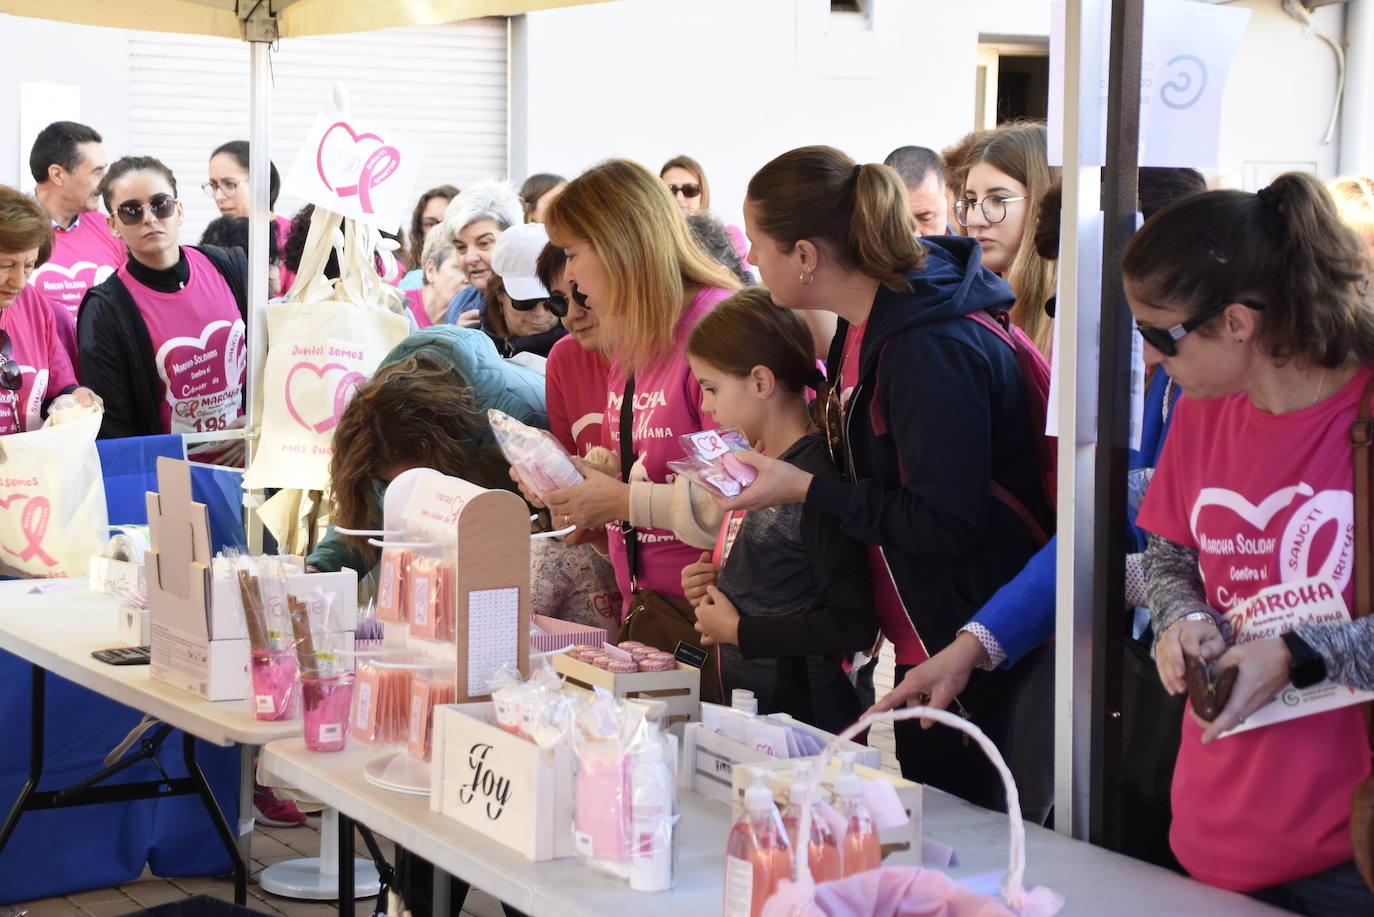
[[1269, 200], [858, 167]]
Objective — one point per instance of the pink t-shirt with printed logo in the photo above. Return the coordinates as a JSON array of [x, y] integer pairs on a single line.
[[667, 404], [82, 256], [892, 614], [44, 367], [198, 346], [575, 394], [1264, 499], [415, 301]]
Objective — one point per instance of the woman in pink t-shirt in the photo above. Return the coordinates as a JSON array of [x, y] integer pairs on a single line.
[[1255, 305], [34, 368], [163, 339], [630, 255]]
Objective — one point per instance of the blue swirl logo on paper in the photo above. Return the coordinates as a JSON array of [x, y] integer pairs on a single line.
[[1189, 82]]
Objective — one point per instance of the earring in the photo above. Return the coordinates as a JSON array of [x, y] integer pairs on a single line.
[[807, 277]]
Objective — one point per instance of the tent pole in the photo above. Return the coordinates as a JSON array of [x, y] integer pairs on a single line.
[[1076, 360], [260, 35]]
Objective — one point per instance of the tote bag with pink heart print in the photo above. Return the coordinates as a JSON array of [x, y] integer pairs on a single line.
[[321, 345], [52, 500]]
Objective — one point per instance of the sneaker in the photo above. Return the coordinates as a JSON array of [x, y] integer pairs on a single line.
[[273, 812]]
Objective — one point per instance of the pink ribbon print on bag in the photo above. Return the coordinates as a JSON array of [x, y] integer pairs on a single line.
[[33, 523], [358, 162], [347, 384]]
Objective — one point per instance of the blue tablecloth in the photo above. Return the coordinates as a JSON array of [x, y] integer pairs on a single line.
[[67, 850]]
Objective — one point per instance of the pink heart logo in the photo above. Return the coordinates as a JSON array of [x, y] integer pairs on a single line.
[[33, 523], [347, 384], [357, 163], [69, 283], [189, 365]]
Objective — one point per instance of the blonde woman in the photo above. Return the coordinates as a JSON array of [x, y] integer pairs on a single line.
[[1354, 196], [630, 254], [1007, 176]]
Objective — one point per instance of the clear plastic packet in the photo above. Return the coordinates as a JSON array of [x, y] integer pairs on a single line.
[[1137, 482], [427, 691], [381, 703], [429, 591], [391, 583], [710, 460], [537, 457]]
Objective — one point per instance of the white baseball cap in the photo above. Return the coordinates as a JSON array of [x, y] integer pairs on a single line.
[[514, 258]]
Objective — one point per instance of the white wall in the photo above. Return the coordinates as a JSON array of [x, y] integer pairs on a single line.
[[734, 84]]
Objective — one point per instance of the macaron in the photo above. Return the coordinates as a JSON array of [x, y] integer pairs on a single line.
[[621, 666], [658, 665]]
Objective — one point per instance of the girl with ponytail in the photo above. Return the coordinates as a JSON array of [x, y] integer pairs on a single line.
[[926, 413], [785, 593], [1256, 304]]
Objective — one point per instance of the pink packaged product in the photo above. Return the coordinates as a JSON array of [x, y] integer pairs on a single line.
[[710, 460], [540, 460]]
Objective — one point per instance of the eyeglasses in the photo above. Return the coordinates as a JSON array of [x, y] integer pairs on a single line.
[[10, 376], [428, 223], [994, 208], [558, 304], [687, 189], [229, 187], [163, 206], [1165, 340]]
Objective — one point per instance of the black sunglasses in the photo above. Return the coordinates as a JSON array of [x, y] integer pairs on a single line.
[[688, 189], [558, 304], [10, 376], [1165, 340], [163, 206], [527, 305]]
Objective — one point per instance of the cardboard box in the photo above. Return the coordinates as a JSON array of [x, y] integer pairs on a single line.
[[500, 785], [558, 634], [678, 689], [782, 773], [709, 759], [135, 625]]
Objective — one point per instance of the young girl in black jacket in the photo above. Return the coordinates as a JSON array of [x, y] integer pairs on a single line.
[[792, 595]]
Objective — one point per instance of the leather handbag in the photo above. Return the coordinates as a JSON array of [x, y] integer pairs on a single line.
[[1362, 799], [653, 618]]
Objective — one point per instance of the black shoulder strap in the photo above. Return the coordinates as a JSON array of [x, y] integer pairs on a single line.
[[627, 461]]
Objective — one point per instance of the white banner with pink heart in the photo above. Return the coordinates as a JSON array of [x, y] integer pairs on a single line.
[[318, 354], [52, 501], [356, 168]]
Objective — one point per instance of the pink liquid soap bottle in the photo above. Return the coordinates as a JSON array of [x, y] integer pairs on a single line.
[[823, 852], [861, 850], [757, 856]]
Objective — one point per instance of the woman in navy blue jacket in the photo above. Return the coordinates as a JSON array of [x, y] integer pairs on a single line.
[[934, 419]]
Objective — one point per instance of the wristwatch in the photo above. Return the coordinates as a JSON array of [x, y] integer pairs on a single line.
[[1308, 667]]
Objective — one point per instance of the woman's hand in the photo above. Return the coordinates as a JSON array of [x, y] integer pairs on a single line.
[[778, 482], [937, 681], [530, 496], [596, 501], [88, 398], [717, 618], [697, 577], [1264, 672], [469, 319], [1198, 638]]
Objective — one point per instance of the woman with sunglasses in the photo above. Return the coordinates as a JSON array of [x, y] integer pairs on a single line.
[[519, 314], [1008, 174], [228, 188], [162, 340], [34, 367], [1257, 306], [686, 179], [630, 254], [925, 410]]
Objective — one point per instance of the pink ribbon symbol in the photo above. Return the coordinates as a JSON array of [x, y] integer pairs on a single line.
[[378, 167], [33, 522]]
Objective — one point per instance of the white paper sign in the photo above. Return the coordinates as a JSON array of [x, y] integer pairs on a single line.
[[431, 510], [1276, 610], [1187, 52], [359, 169]]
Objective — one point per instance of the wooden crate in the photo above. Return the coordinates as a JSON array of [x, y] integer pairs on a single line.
[[679, 689]]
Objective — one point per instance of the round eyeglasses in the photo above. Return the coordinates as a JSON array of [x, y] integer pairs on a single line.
[[994, 208]]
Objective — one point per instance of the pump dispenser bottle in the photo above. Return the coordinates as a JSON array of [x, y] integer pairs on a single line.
[[860, 848], [823, 851], [757, 855]]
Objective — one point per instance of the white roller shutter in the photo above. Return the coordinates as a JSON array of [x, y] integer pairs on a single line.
[[444, 85]]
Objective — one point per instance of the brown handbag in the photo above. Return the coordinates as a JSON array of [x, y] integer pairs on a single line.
[[1362, 800], [653, 618]]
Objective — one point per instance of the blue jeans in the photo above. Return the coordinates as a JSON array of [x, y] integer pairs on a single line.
[[1338, 892]]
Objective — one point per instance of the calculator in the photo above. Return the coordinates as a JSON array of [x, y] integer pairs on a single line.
[[123, 655]]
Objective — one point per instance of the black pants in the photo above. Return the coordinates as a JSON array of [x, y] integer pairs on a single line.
[[1015, 708]]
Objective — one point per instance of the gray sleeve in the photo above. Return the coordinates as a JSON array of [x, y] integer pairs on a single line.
[[1347, 649], [1173, 583]]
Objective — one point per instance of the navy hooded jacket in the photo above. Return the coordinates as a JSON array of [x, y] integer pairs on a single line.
[[951, 397]]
